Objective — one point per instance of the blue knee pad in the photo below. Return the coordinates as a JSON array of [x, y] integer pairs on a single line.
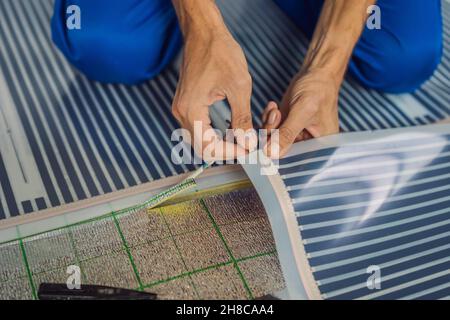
[[119, 41], [397, 58]]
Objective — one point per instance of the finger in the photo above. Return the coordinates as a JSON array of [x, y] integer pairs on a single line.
[[273, 120], [241, 116], [239, 99], [270, 106], [297, 120], [241, 122], [219, 149], [209, 144], [282, 139], [304, 135], [248, 140], [245, 134]]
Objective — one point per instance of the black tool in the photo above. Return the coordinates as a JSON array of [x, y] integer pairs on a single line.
[[60, 291]]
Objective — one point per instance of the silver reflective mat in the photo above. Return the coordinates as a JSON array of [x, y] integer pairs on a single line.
[[217, 247]]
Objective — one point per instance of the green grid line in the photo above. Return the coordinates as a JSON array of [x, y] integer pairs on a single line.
[[118, 213], [215, 266], [99, 218], [77, 258], [188, 274], [195, 271], [27, 266], [80, 260], [158, 282], [127, 249], [142, 286], [246, 286], [262, 254], [183, 233], [178, 251], [130, 209], [104, 216], [75, 252]]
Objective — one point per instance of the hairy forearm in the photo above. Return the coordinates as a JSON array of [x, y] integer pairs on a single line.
[[199, 18], [338, 30]]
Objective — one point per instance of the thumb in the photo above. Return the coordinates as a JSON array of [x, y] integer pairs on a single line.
[[282, 139], [271, 117]]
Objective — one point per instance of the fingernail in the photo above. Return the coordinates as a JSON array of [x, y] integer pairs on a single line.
[[272, 118]]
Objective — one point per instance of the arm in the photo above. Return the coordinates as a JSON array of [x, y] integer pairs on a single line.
[[213, 68], [309, 106]]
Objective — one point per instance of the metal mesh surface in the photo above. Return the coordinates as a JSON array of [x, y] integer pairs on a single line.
[[219, 247]]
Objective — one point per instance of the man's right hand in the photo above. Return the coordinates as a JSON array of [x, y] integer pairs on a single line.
[[214, 68]]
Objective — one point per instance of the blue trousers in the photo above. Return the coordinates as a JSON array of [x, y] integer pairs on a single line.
[[132, 41]]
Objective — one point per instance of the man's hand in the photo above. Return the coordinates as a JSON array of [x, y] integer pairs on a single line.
[[214, 68], [309, 107], [308, 110]]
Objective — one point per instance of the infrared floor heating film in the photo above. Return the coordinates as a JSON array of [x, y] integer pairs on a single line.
[[149, 250], [364, 201], [67, 139]]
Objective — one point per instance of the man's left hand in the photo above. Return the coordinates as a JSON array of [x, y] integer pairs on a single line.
[[308, 110]]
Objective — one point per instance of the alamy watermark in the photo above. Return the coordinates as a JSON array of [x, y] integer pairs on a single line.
[[374, 280], [210, 145], [374, 19], [73, 18], [74, 279]]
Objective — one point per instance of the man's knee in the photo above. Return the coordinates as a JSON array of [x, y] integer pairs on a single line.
[[405, 52], [115, 58], [119, 54], [399, 68]]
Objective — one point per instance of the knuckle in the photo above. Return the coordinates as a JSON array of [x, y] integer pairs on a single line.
[[178, 113], [287, 134], [242, 120], [244, 81]]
